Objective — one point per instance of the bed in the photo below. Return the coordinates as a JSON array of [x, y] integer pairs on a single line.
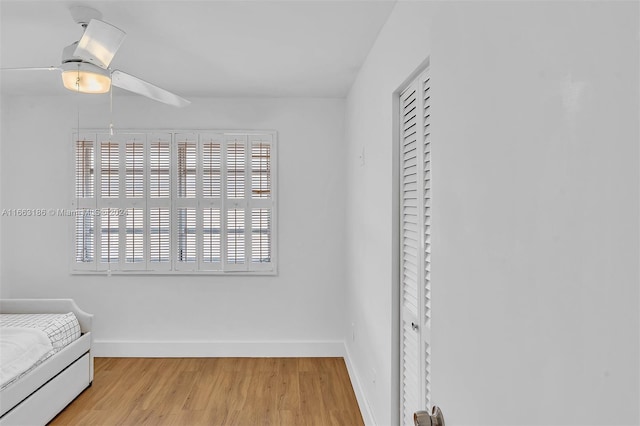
[[38, 394]]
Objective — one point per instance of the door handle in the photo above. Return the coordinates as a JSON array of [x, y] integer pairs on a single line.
[[414, 326], [424, 418]]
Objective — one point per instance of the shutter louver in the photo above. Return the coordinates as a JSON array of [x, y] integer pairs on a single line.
[[84, 235], [135, 169], [84, 169], [211, 169], [186, 235], [211, 242], [186, 202], [85, 202], [159, 235], [160, 169], [235, 237], [109, 171], [260, 170], [135, 236], [109, 231], [159, 202], [260, 235], [187, 169], [236, 169]]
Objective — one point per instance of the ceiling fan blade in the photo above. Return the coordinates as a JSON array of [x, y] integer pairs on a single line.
[[99, 43], [134, 84], [33, 69]]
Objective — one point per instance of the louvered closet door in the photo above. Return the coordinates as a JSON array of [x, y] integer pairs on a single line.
[[415, 247]]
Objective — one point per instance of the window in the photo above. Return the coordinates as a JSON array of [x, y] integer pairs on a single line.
[[175, 202]]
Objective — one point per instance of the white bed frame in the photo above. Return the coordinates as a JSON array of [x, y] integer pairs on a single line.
[[41, 394]]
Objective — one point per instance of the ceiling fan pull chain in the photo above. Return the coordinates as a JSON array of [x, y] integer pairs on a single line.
[[111, 110], [78, 100]]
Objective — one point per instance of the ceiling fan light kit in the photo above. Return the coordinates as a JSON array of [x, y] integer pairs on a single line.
[[85, 78], [85, 63]]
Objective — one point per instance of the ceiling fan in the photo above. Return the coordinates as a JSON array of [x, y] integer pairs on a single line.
[[85, 63]]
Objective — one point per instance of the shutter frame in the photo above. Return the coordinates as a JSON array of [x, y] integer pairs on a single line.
[[126, 178]]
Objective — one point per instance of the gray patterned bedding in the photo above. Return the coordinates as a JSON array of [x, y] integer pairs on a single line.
[[18, 330]]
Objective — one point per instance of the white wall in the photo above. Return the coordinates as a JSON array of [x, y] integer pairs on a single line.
[[536, 189], [303, 305], [4, 291]]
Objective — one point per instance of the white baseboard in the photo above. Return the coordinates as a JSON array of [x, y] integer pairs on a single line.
[[365, 410], [158, 349]]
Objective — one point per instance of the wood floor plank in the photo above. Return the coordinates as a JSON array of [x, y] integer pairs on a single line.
[[216, 391]]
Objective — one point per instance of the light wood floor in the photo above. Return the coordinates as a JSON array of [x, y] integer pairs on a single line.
[[216, 391]]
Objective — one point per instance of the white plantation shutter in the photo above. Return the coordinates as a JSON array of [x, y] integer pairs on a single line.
[[159, 236], [84, 202], [135, 252], [186, 169], [83, 234], [236, 252], [235, 154], [211, 167], [134, 205], [159, 201], [211, 237], [84, 167], [260, 208], [135, 168], [260, 169], [110, 223], [186, 229], [159, 167], [236, 148], [260, 235], [184, 202], [211, 148], [109, 168], [415, 244]]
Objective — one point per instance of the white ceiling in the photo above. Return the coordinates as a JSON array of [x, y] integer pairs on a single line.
[[203, 48]]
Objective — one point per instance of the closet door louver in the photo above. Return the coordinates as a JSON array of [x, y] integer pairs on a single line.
[[426, 295], [415, 247]]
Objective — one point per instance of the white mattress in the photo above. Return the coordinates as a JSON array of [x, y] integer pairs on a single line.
[[59, 329]]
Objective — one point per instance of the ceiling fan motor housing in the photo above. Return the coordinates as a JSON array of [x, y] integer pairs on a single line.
[[83, 14], [67, 53]]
